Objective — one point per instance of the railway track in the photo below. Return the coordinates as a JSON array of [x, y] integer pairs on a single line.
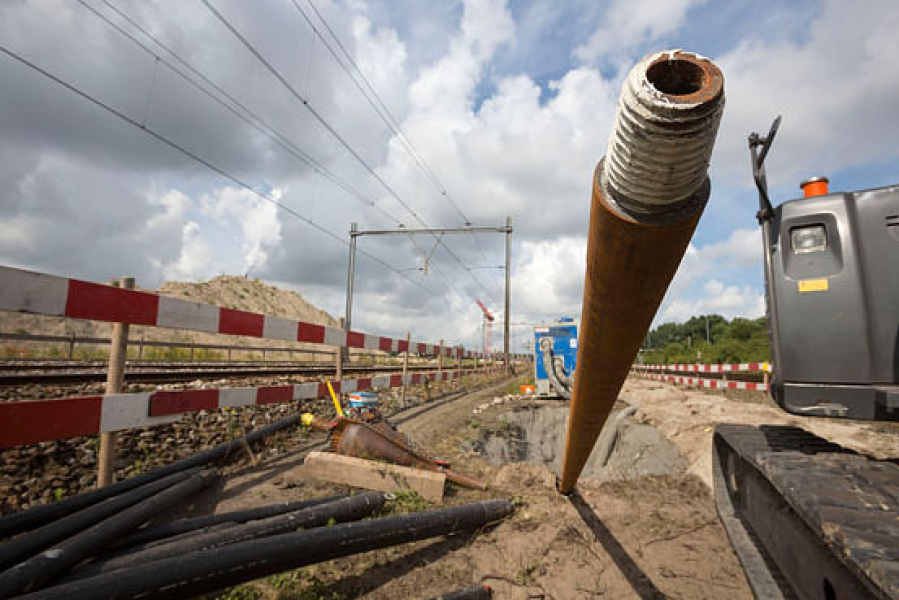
[[180, 372]]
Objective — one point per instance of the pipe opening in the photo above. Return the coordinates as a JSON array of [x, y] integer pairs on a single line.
[[675, 77]]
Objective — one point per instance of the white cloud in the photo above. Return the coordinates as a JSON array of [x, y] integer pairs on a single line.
[[835, 87], [196, 258], [255, 218], [742, 250], [728, 301], [550, 278], [628, 24]]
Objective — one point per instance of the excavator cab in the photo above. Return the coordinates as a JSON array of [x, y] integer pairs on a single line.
[[832, 287]]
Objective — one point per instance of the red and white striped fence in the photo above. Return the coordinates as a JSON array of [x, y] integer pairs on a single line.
[[650, 372], [32, 421], [706, 383], [681, 368], [37, 293]]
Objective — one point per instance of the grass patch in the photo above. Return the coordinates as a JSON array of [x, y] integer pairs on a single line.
[[405, 502], [514, 387]]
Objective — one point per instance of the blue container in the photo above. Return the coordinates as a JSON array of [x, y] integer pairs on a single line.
[[363, 400], [564, 336]]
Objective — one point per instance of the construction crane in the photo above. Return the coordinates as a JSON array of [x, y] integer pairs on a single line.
[[488, 327]]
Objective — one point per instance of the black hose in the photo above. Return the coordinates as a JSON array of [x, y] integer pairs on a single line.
[[19, 549], [167, 530], [209, 570], [36, 571], [338, 511], [40, 515], [472, 592]]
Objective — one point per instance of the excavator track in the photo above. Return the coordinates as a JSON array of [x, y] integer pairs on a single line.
[[808, 518]]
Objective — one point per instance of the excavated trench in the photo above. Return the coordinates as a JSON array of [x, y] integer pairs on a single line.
[[535, 433]]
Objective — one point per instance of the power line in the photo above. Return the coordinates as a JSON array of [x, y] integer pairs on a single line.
[[253, 120], [324, 123], [378, 104], [211, 166], [380, 107]]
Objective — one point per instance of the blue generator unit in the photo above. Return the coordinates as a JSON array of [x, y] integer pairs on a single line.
[[564, 346]]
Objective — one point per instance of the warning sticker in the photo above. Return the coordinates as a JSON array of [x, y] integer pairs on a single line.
[[813, 285]]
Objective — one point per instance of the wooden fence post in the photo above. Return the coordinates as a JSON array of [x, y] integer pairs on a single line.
[[405, 371], [338, 356], [115, 377]]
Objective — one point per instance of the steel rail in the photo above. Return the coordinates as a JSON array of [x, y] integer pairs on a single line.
[[170, 376]]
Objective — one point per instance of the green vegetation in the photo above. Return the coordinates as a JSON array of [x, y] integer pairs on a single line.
[[708, 339], [404, 502], [514, 388]]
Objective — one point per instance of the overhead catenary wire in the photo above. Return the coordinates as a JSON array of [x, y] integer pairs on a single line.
[[251, 118], [211, 166], [374, 99], [383, 111], [330, 128]]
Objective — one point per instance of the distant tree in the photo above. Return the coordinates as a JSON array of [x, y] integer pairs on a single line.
[[738, 340]]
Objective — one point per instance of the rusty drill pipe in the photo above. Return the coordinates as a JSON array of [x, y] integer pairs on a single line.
[[648, 194]]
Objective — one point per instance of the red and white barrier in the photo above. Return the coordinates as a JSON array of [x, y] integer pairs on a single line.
[[37, 293], [707, 383], [732, 368], [33, 421]]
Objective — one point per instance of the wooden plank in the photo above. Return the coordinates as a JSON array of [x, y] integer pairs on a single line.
[[368, 474]]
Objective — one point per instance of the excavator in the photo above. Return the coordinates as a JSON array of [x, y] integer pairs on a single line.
[[808, 519]]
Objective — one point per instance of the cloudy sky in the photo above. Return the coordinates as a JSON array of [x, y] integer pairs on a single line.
[[482, 109]]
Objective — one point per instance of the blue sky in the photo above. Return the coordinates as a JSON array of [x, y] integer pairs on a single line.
[[509, 104]]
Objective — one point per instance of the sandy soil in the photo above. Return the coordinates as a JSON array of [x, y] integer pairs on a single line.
[[687, 418], [651, 536]]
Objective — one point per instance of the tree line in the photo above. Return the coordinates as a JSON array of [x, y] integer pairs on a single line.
[[708, 339]]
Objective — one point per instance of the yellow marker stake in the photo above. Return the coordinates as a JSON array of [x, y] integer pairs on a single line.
[[336, 401]]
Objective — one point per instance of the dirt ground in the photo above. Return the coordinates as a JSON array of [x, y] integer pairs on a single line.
[[649, 536], [642, 525], [686, 417]]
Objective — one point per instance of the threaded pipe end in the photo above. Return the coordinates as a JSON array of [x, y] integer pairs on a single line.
[[658, 155]]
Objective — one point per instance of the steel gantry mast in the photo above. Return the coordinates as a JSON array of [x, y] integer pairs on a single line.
[[355, 232]]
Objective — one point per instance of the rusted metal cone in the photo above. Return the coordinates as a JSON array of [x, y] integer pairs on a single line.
[[648, 194], [354, 438]]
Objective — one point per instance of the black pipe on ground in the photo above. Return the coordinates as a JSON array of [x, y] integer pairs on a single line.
[[338, 511], [40, 515], [36, 571], [167, 530], [22, 547], [209, 570], [472, 592]]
